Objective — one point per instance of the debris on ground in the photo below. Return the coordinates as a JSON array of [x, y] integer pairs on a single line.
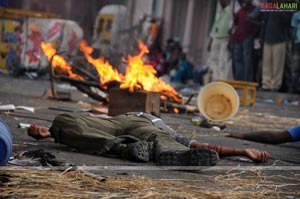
[[202, 122], [11, 107], [35, 158]]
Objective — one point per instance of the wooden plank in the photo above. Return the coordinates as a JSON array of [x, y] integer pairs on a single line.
[[243, 83], [122, 101], [246, 87]]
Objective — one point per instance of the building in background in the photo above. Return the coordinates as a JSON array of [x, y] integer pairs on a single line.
[[83, 12], [190, 20]]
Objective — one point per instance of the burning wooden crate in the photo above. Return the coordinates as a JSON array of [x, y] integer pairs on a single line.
[[139, 76], [122, 101]]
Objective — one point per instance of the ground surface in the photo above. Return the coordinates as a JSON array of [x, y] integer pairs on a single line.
[[233, 177]]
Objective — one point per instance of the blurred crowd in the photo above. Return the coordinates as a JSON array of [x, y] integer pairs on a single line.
[[172, 61], [245, 44]]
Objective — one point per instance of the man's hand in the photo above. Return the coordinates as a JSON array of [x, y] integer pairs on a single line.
[[38, 132], [256, 155]]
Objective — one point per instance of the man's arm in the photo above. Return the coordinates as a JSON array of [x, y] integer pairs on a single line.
[[253, 154], [270, 137], [263, 137]]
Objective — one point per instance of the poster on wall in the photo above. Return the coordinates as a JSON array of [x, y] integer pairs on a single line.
[[9, 40], [63, 34]]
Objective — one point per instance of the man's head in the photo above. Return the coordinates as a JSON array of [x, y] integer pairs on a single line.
[[245, 2], [224, 3]]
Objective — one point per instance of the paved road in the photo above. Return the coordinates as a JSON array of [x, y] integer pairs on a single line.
[[261, 116]]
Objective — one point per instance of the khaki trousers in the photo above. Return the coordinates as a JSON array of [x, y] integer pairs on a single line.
[[273, 65], [220, 60], [98, 135]]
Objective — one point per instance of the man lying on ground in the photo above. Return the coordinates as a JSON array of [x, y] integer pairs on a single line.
[[270, 137], [136, 137]]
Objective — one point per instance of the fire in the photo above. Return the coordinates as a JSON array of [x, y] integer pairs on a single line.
[[138, 74], [58, 61], [106, 71], [143, 76]]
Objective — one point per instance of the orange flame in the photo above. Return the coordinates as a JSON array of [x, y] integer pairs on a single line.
[[58, 61], [143, 76], [106, 71], [138, 74]]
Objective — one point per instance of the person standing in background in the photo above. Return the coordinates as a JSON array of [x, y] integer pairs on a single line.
[[152, 34], [296, 54], [219, 58], [242, 38], [276, 26]]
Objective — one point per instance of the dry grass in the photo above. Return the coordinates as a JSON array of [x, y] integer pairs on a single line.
[[75, 184]]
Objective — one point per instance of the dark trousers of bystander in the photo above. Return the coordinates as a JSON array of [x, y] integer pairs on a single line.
[[296, 69], [243, 59], [287, 80]]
